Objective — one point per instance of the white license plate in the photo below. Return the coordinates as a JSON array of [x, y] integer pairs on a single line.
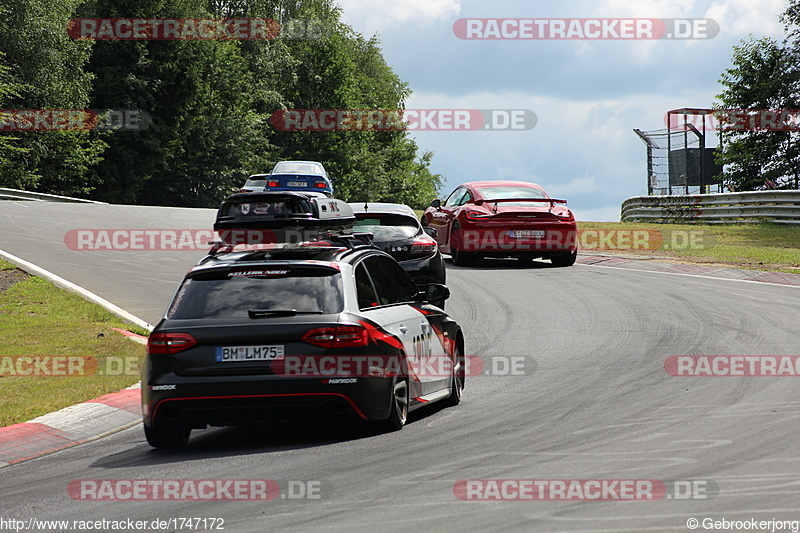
[[296, 184], [529, 233], [227, 354]]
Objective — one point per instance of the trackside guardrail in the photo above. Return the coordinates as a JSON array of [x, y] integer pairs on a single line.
[[780, 207], [16, 194]]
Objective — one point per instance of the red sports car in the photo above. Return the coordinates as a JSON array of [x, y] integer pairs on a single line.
[[503, 219]]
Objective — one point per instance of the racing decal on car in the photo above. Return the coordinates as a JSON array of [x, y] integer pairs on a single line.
[[378, 335], [245, 208], [261, 209], [422, 343], [163, 387], [258, 273], [340, 381]]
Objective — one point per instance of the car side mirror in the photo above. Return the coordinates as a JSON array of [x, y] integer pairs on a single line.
[[430, 231], [436, 292], [436, 203]]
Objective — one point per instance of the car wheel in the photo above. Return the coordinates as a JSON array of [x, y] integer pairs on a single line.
[[398, 411], [166, 437], [459, 369], [460, 257], [565, 260]]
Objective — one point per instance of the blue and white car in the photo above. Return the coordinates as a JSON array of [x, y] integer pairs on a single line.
[[305, 176]]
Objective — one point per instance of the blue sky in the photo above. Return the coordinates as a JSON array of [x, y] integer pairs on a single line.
[[588, 95]]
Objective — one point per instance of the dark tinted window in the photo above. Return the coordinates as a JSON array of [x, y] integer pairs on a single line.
[[392, 284], [388, 226], [231, 293], [364, 289], [280, 207]]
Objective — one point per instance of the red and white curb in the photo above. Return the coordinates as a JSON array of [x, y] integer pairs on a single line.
[[79, 423], [72, 425]]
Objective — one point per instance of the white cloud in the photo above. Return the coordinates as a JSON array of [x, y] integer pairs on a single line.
[[740, 18], [587, 95], [369, 16]]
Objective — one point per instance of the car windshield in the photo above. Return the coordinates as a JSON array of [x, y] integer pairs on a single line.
[[502, 193], [255, 183], [385, 227], [232, 293], [290, 167]]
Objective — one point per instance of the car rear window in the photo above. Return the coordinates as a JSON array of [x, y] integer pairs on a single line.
[[297, 168], [501, 193], [387, 226], [231, 293]]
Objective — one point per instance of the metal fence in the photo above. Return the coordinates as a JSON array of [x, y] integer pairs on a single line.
[[781, 207], [16, 194]]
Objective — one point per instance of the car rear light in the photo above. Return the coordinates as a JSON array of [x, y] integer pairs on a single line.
[[273, 184], [169, 343], [320, 185], [423, 246], [566, 216], [337, 337], [473, 214]]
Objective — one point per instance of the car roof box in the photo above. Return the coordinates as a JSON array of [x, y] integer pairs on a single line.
[[281, 216]]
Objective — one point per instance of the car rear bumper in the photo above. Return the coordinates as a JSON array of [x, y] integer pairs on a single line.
[[543, 240], [223, 401]]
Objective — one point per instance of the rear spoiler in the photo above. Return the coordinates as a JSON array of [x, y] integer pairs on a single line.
[[548, 200]]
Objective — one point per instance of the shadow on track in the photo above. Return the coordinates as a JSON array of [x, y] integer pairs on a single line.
[[263, 438], [506, 263]]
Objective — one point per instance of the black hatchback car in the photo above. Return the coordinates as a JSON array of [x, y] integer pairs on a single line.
[[332, 329], [398, 232]]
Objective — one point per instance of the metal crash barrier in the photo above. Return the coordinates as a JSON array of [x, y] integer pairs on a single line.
[[780, 207]]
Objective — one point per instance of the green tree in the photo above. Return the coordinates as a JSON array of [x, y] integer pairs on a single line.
[[45, 69], [765, 76], [344, 70], [205, 134], [10, 174]]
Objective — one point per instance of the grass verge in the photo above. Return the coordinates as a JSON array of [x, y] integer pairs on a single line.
[[38, 319], [765, 246]]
